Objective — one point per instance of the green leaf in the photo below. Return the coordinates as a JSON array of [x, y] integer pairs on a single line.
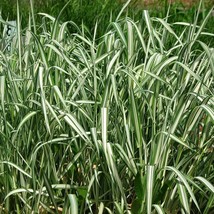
[[173, 137], [184, 181], [139, 188], [50, 191], [206, 183], [183, 198], [73, 204], [158, 208], [208, 110], [136, 206], [82, 191], [17, 167], [149, 187]]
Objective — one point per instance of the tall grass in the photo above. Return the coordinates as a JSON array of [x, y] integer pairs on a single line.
[[80, 11], [122, 123]]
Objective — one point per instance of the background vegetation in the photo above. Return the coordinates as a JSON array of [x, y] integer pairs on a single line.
[[107, 120], [103, 11]]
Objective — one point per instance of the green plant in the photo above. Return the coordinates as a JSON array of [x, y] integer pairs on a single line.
[[84, 11], [121, 123]]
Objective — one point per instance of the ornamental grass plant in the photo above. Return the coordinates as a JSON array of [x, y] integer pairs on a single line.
[[120, 123]]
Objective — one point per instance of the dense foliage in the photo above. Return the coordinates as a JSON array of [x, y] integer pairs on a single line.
[[102, 12], [79, 11], [120, 123]]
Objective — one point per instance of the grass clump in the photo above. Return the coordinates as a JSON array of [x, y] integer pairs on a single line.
[[121, 123]]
